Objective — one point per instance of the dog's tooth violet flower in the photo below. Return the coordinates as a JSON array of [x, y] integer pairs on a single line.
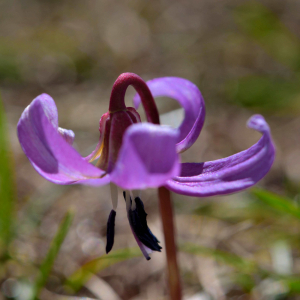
[[135, 155]]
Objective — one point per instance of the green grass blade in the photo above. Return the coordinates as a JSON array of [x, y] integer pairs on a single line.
[[293, 284], [52, 253], [82, 275], [279, 203], [266, 28], [7, 184]]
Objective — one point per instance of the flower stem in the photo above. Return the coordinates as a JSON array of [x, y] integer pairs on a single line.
[[166, 211], [118, 95]]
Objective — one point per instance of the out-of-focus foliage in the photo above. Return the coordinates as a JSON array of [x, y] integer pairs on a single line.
[[244, 57], [264, 221], [265, 28], [242, 265], [7, 186], [82, 275], [268, 92], [282, 204], [54, 248]]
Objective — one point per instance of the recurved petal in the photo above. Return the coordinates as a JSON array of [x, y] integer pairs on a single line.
[[49, 108], [189, 97], [45, 147], [147, 157], [230, 174]]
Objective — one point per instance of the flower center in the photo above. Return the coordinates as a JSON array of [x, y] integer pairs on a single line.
[[112, 128], [114, 123]]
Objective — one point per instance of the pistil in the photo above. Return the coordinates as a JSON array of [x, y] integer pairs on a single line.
[[115, 122]]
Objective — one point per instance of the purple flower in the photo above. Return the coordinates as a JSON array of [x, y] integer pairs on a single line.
[[135, 155]]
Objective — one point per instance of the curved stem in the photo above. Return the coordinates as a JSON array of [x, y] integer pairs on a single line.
[[166, 211], [117, 96]]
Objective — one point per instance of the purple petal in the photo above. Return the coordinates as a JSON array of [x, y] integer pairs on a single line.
[[49, 153], [49, 107], [190, 98], [230, 174], [147, 157]]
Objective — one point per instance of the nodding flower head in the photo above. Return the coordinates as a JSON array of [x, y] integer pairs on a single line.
[[112, 128], [135, 155]]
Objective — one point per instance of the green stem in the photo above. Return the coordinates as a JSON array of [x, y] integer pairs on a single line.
[[166, 211]]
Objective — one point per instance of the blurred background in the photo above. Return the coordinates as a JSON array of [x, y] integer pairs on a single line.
[[245, 58]]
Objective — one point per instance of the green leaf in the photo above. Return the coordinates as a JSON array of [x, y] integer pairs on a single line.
[[246, 281], [52, 253], [7, 184], [82, 275], [9, 69], [277, 202], [293, 284], [266, 28], [241, 264]]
